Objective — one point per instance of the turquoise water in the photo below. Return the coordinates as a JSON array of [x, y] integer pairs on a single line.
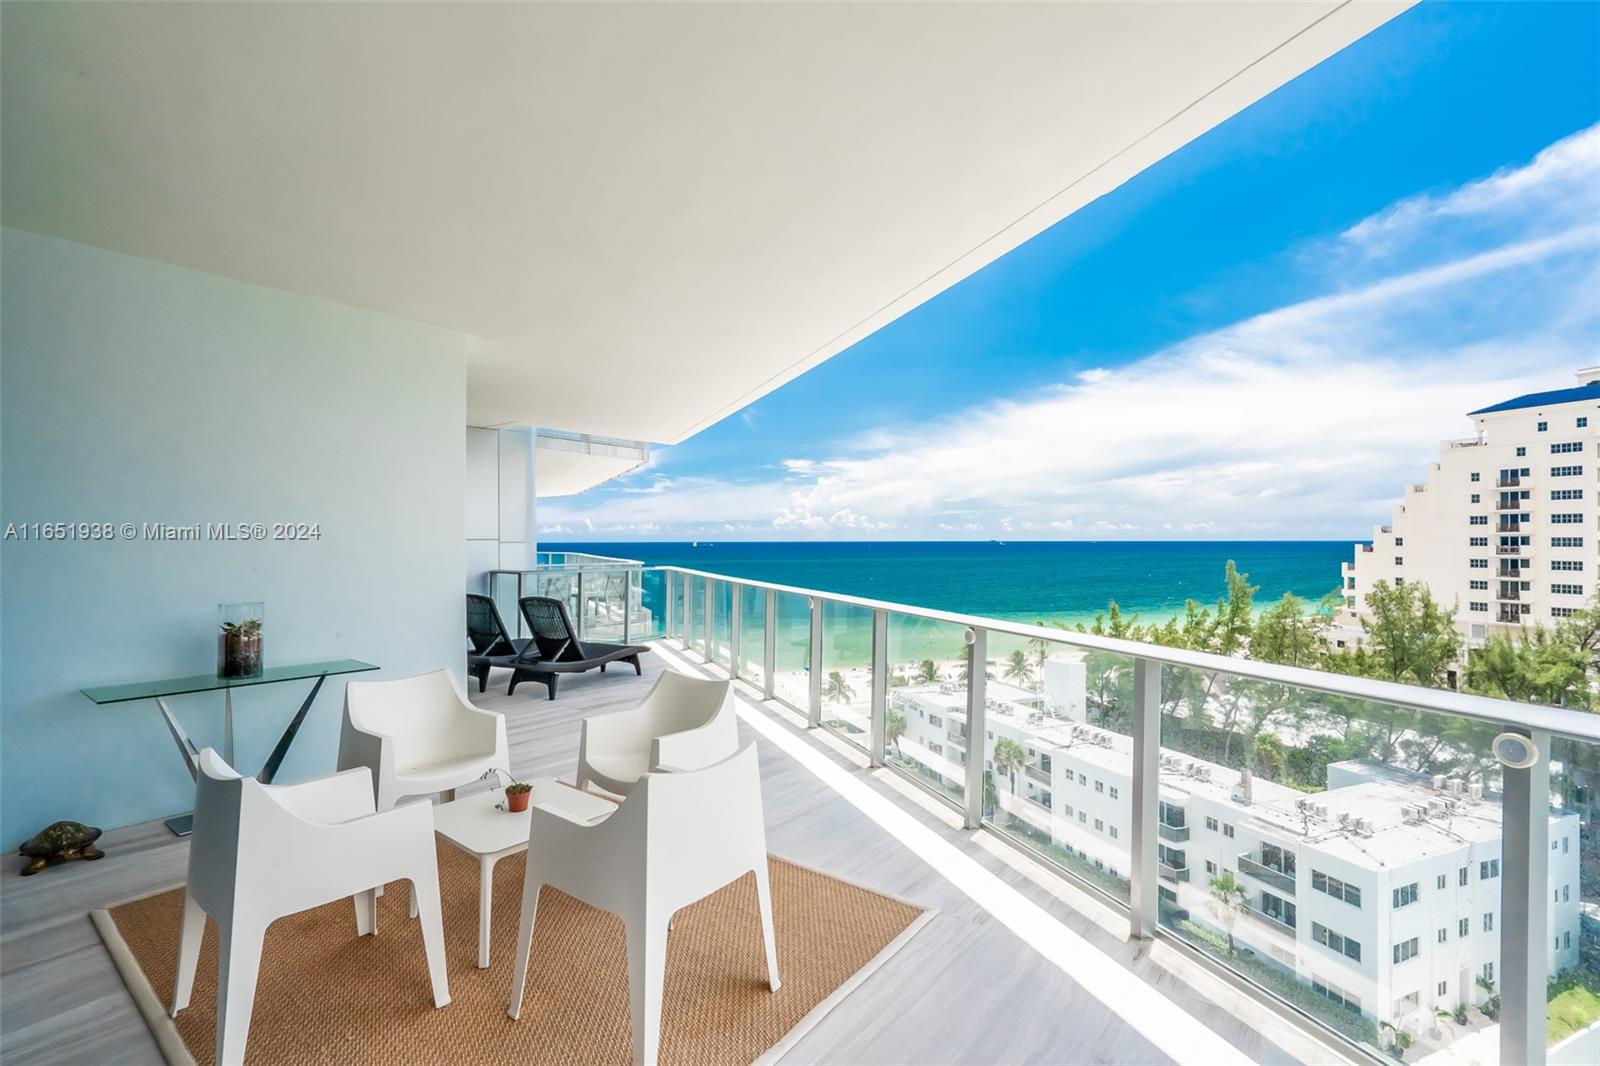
[[1054, 580]]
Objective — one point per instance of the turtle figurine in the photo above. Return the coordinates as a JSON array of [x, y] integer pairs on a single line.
[[60, 842]]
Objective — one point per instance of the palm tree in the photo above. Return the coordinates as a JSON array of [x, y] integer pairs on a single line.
[[1039, 649], [1018, 668], [1009, 758], [894, 727], [1229, 896], [837, 688], [927, 671]]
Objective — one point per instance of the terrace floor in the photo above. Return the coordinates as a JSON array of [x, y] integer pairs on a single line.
[[1017, 966]]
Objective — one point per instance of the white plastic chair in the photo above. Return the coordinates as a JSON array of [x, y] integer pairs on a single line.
[[419, 736], [260, 852], [675, 839], [683, 723]]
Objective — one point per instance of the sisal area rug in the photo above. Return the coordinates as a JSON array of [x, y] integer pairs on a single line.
[[327, 995]]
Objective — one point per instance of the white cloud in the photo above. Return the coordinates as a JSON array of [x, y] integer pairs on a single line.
[[1307, 420]]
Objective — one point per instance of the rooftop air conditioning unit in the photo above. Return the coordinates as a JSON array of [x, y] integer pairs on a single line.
[[1458, 786], [1475, 790], [1438, 782], [1344, 818]]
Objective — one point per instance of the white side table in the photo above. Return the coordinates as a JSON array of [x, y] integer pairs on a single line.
[[474, 825]]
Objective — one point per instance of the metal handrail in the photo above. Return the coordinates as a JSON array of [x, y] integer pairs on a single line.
[[1574, 725]]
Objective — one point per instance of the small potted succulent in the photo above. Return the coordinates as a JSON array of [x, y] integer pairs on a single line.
[[517, 792], [239, 642]]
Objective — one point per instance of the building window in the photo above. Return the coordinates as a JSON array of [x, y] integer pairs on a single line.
[[1399, 560], [1474, 476], [1478, 606], [1566, 471], [1566, 519], [1488, 868], [1113, 791], [1463, 927], [1566, 939], [1406, 950], [1211, 823], [1461, 876], [1099, 786], [1443, 985], [1334, 994], [1099, 825], [935, 721], [1488, 921], [1438, 882], [1563, 612], [1566, 494], [1566, 447], [1488, 972], [1479, 585], [1083, 779], [1583, 422], [1211, 868], [1478, 520], [1227, 830], [1521, 452], [1474, 498], [1336, 888], [1563, 845], [1478, 542], [1566, 564], [1399, 580], [1567, 590], [1442, 937], [1113, 832], [1335, 942], [1566, 542], [1405, 895], [1083, 816], [1543, 426], [1067, 810], [1399, 542], [1479, 564]]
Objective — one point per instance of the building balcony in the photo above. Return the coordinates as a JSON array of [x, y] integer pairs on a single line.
[[1508, 482], [956, 736], [1512, 573], [1511, 615], [1172, 873], [1508, 549], [1253, 908], [1508, 526], [1177, 834], [1509, 505], [1037, 773], [1508, 592], [1266, 874]]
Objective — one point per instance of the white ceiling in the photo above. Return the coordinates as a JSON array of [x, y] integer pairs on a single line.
[[568, 464], [646, 215]]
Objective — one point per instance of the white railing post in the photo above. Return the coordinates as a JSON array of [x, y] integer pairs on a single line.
[[578, 581], [769, 646], [880, 686], [627, 603], [670, 619], [1525, 907], [710, 648], [977, 749], [735, 619], [814, 670], [1145, 892]]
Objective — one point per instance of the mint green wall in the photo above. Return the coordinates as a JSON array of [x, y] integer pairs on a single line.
[[131, 391]]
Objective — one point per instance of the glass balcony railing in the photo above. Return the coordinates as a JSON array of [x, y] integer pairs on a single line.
[[1386, 796], [610, 600], [1271, 875]]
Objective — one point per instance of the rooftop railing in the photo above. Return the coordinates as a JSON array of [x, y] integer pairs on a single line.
[[1148, 725]]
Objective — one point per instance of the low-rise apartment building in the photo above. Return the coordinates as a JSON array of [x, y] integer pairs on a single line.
[[1381, 892], [1504, 526]]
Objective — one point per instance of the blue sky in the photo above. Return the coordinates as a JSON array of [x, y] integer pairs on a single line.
[[1265, 335]]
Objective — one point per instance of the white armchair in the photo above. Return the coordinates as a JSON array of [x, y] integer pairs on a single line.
[[677, 838], [419, 736], [260, 852], [683, 723]]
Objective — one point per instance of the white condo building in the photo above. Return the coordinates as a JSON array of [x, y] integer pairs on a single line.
[[1381, 892], [1504, 527]]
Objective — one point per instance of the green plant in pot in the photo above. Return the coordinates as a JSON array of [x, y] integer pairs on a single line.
[[239, 642], [517, 792]]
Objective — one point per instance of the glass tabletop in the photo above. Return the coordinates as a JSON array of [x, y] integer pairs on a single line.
[[177, 686]]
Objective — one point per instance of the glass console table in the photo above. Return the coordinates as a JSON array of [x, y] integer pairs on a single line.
[[159, 691]]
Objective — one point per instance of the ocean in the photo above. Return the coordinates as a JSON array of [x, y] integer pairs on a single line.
[[1066, 581]]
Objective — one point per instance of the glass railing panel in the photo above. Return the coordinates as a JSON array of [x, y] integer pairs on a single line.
[[650, 612], [503, 590], [1343, 855], [847, 672], [752, 630], [791, 670], [925, 727], [721, 623], [695, 617], [606, 594], [1060, 758], [1572, 1018], [561, 586]]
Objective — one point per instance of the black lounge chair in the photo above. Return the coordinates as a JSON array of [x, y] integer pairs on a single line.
[[491, 645], [555, 648]]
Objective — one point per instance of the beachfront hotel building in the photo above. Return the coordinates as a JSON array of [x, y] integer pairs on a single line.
[[1503, 528], [1381, 893]]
